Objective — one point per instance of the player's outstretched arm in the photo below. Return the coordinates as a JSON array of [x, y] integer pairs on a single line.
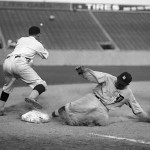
[[86, 73], [80, 69]]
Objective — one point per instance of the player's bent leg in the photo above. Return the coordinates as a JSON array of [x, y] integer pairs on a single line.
[[61, 112], [37, 90], [94, 116], [100, 116], [3, 99], [40, 88], [4, 96], [7, 89], [69, 119], [102, 120]]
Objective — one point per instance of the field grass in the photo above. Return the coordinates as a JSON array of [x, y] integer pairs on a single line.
[[54, 75]]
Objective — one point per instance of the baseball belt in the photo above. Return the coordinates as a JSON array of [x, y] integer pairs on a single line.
[[19, 56], [100, 100]]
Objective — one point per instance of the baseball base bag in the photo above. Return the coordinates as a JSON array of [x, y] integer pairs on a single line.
[[35, 116]]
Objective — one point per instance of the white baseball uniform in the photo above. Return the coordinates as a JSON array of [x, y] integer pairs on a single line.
[[18, 63], [94, 107]]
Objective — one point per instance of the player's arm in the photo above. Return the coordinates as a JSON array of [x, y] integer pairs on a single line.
[[136, 108], [89, 74], [42, 52]]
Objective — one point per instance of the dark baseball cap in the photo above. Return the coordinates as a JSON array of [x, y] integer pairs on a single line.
[[34, 30], [124, 78]]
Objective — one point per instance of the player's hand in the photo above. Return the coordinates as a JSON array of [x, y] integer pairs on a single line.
[[144, 117], [80, 69], [2, 113]]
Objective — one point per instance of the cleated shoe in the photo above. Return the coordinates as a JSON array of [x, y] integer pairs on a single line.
[[54, 115], [33, 102]]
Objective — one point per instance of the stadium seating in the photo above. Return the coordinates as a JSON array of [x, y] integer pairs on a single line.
[[77, 30], [129, 30], [70, 30]]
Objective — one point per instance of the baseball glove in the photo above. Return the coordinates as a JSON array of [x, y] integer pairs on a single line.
[[80, 69]]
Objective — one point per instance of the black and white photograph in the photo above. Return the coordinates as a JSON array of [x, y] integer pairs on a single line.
[[74, 74]]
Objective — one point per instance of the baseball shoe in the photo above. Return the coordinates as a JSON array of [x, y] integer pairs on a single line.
[[54, 115], [33, 102]]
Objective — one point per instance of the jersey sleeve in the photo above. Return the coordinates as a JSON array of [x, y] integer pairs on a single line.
[[134, 105], [94, 76], [42, 52]]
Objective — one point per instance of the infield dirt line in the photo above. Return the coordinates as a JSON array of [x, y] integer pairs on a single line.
[[121, 138]]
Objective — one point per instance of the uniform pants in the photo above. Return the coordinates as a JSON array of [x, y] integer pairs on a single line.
[[19, 68], [87, 110]]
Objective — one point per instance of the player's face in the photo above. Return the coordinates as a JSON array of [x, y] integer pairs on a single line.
[[120, 86], [38, 36]]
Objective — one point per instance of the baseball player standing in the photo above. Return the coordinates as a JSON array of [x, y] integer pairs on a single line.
[[18, 64], [110, 93]]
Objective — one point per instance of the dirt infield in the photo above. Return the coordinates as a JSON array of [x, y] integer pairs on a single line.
[[127, 134]]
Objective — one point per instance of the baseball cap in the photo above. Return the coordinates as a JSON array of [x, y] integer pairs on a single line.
[[34, 30], [124, 78]]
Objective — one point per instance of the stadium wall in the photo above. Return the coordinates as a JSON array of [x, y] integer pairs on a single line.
[[96, 58], [92, 5], [90, 58], [127, 2]]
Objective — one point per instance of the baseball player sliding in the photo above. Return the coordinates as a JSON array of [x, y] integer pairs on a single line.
[[110, 93], [17, 65]]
